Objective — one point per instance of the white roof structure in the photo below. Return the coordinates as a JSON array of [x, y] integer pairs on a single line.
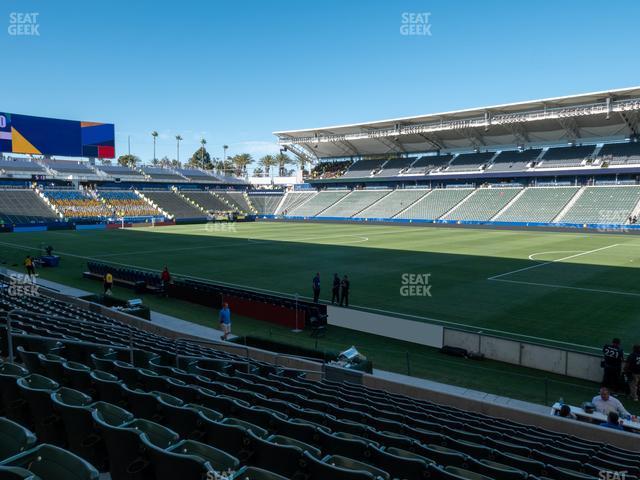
[[585, 118]]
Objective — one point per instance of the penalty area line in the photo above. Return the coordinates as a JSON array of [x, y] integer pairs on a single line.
[[567, 287], [538, 265]]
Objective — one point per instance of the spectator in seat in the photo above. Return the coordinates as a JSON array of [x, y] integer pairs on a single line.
[[613, 421], [225, 321], [344, 293], [633, 370], [316, 288], [565, 412], [606, 404], [612, 363], [335, 290]]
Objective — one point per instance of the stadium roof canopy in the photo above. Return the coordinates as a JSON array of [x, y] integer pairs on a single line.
[[585, 118]]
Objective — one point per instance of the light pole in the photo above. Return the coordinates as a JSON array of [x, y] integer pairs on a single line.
[[224, 159], [154, 134], [178, 138]]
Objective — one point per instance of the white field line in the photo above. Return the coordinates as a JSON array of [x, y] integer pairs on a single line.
[[538, 265], [533, 255], [582, 289]]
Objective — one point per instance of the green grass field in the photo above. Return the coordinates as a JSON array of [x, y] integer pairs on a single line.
[[574, 287]]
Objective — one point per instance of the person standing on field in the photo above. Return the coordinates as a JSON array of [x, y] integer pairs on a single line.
[[633, 369], [165, 277], [345, 285], [335, 290], [316, 288]]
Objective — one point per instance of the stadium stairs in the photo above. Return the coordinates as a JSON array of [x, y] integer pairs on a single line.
[[207, 200], [153, 204], [508, 205], [187, 199], [459, 205], [570, 204], [293, 200]]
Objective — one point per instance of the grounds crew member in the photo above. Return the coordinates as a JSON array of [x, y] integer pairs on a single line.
[[30, 266], [108, 283]]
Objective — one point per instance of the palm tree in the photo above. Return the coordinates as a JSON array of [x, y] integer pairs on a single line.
[[302, 162], [154, 134], [267, 162], [241, 161], [178, 139], [203, 142], [283, 160]]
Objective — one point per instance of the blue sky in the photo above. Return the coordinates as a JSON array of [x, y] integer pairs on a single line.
[[236, 71]]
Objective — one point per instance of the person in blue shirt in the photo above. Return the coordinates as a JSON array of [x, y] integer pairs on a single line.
[[316, 288], [225, 321], [613, 421]]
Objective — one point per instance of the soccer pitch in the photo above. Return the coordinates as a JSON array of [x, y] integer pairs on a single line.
[[573, 287]]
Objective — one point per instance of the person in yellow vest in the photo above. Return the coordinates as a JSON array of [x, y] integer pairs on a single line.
[[108, 283], [30, 266]]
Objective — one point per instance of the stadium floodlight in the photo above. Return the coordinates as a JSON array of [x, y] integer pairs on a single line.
[[178, 138], [154, 134]]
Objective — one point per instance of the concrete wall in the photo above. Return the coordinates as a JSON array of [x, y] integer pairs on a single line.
[[387, 326], [549, 359]]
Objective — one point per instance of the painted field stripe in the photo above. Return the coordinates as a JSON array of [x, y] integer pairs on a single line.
[[538, 265], [568, 287]]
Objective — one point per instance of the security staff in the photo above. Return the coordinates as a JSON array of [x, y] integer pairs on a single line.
[[612, 364], [335, 291], [315, 285], [344, 294]]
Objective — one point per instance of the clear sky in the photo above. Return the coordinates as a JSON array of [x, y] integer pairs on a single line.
[[236, 71]]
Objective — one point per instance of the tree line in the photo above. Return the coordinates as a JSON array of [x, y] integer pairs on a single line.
[[235, 165]]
